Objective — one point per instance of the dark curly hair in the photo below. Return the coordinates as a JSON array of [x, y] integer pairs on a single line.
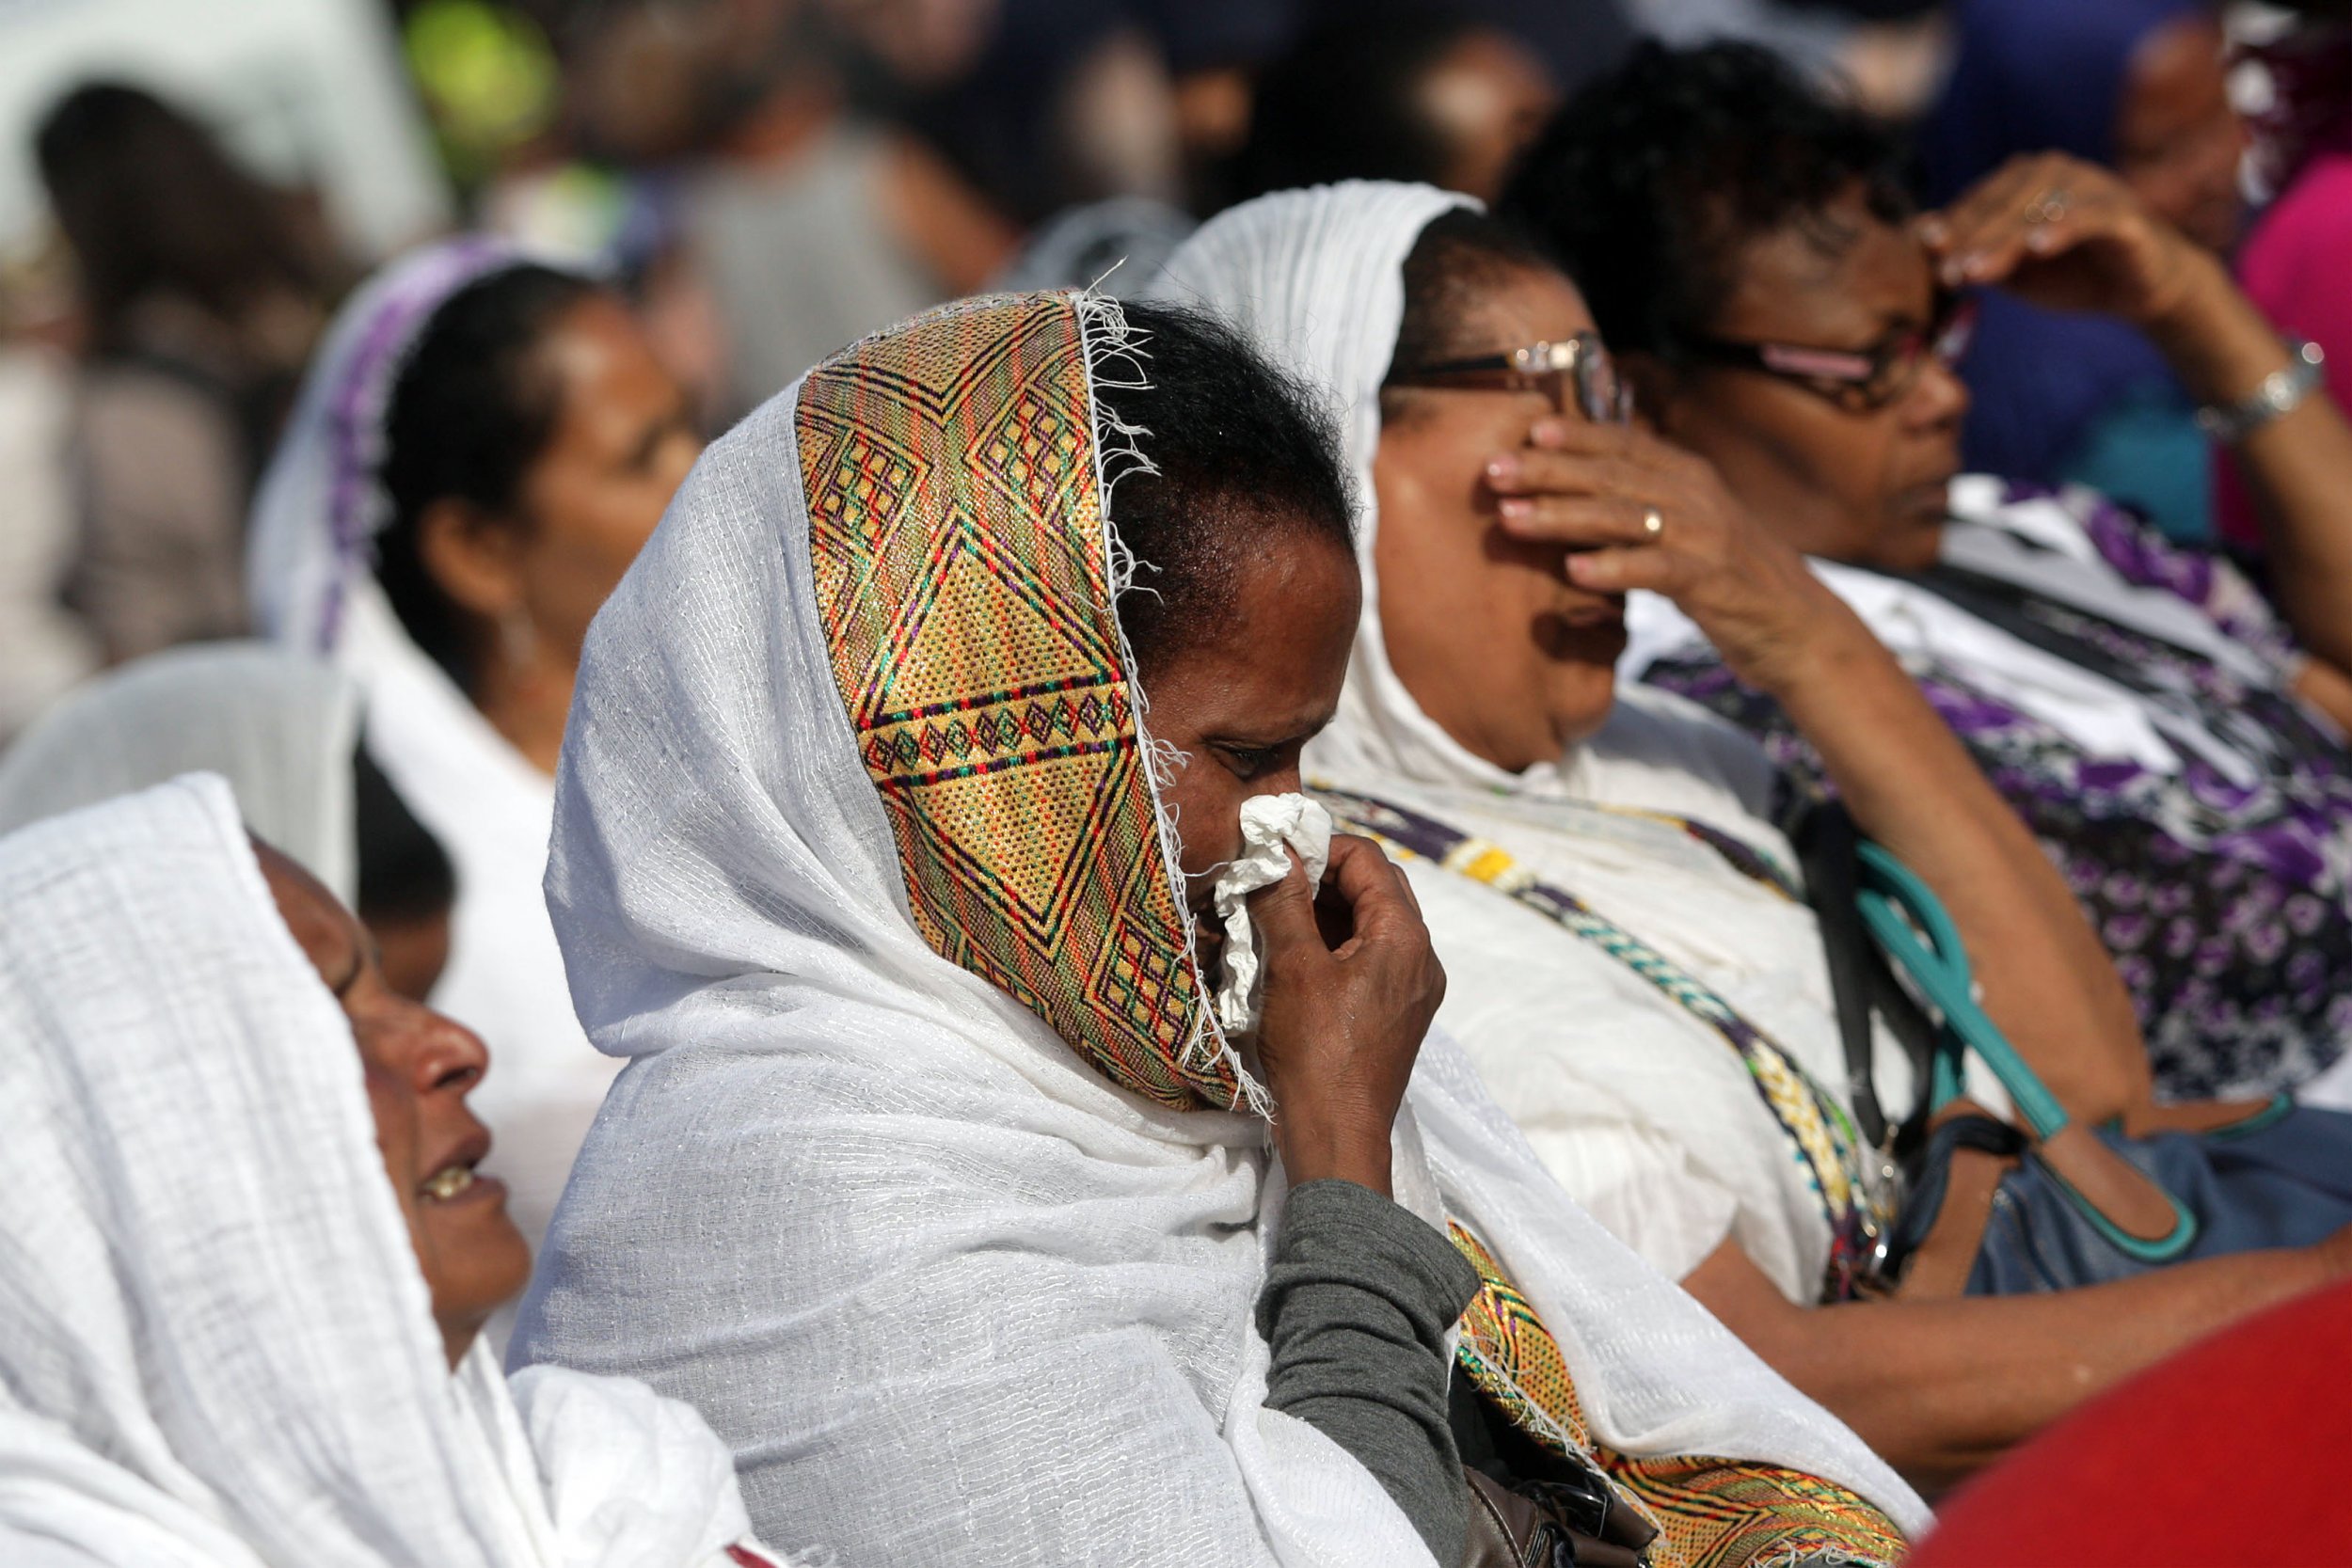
[[1647, 184], [1243, 452]]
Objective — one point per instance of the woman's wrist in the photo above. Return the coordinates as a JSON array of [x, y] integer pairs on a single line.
[[2214, 339], [1805, 640], [1318, 1148]]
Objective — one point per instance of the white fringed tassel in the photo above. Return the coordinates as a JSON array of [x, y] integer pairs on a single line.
[[1116, 358]]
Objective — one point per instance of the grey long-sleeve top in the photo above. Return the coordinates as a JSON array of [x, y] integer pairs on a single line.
[[1356, 1308]]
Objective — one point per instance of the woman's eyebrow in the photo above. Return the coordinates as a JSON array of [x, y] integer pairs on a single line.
[[1299, 738]]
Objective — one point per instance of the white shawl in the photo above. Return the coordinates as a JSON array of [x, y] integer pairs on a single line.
[[313, 588], [950, 1294], [216, 1350], [280, 728], [1645, 1113]]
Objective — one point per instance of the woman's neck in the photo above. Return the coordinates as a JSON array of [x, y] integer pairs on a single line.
[[527, 704]]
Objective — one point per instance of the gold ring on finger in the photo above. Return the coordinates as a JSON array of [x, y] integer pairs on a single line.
[[1653, 523]]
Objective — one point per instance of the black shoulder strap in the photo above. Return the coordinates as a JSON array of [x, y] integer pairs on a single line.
[[1860, 982]]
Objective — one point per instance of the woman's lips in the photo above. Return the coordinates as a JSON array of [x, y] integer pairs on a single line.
[[454, 1180], [455, 1185]]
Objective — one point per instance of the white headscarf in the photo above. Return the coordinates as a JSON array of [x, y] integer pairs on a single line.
[[1645, 1114], [311, 574], [280, 728], [950, 1292], [216, 1350]]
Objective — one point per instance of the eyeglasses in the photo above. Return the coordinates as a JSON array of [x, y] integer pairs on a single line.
[[1576, 373], [1860, 381]]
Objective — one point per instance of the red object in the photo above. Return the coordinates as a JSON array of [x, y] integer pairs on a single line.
[[2232, 1453]]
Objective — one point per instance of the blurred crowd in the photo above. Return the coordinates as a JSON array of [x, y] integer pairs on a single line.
[[1994, 335], [764, 179]]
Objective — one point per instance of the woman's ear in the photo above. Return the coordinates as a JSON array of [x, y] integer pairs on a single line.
[[473, 556]]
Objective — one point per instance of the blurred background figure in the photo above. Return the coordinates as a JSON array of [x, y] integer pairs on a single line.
[[201, 291], [792, 223], [286, 733], [1890, 55], [2140, 86], [44, 648], [1413, 93], [478, 453]]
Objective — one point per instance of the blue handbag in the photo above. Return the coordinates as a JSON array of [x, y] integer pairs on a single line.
[[2279, 1178]]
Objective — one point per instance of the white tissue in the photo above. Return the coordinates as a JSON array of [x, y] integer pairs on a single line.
[[1268, 824]]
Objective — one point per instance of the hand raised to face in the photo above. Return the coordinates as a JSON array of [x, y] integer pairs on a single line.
[[1636, 512], [1352, 983], [2066, 234]]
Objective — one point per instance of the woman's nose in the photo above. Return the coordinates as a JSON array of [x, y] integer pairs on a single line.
[[1939, 397], [443, 1054]]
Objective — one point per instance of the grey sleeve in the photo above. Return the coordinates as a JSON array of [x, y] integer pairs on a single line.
[[1356, 1307]]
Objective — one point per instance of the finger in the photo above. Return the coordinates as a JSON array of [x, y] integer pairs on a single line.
[[1374, 889], [1999, 196], [1529, 471], [1620, 569], [2017, 223], [1581, 522], [1581, 437], [1284, 913], [1990, 214]]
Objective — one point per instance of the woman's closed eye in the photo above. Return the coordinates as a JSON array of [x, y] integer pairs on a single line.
[[1251, 762]]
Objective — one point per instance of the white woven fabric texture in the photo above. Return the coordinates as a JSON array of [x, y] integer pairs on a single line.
[[216, 1350], [280, 728]]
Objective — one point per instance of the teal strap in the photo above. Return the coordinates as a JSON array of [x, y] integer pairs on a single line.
[[1897, 907], [1890, 891]]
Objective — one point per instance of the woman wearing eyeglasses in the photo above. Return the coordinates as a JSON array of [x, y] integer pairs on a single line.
[[1630, 961], [2174, 745]]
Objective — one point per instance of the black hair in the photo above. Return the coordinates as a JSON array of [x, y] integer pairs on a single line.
[[1243, 452], [404, 874], [1344, 102], [1457, 257], [470, 412], [150, 203], [1648, 183]]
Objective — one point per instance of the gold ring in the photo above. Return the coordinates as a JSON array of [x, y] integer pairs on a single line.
[[1653, 522]]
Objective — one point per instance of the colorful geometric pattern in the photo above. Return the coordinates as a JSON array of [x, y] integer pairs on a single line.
[[1710, 1512], [1818, 1129], [956, 525]]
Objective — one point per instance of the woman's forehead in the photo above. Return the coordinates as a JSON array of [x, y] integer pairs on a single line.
[[1844, 275], [1524, 305]]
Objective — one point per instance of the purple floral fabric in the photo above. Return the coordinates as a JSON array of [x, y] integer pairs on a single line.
[[2228, 906]]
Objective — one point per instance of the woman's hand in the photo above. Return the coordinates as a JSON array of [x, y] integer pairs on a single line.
[[1597, 488], [2059, 232], [1344, 1015]]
